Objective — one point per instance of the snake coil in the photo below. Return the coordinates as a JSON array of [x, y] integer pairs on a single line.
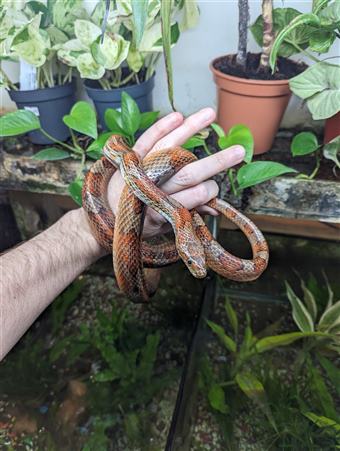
[[194, 244]]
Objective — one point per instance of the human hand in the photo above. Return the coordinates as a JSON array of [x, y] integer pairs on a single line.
[[191, 186]]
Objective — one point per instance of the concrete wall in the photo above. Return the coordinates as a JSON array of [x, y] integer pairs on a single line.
[[215, 35]]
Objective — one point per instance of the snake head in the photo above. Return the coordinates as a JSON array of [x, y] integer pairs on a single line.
[[191, 252], [115, 148]]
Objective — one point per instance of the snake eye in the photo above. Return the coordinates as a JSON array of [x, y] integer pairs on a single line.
[[189, 262]]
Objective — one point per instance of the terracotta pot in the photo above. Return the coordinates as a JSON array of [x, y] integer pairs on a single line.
[[259, 104], [332, 128]]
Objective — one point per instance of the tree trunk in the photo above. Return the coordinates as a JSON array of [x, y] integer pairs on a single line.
[[268, 32], [243, 19]]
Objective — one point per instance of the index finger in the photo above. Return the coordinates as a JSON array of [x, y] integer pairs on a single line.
[[200, 170], [156, 132]]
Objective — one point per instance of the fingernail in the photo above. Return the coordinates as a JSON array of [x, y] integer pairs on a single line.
[[175, 117], [208, 114], [239, 153]]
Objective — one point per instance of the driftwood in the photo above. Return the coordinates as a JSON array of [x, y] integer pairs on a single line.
[[284, 197]]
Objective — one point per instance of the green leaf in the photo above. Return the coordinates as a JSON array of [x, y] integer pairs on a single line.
[[217, 129], [105, 376], [95, 149], [330, 318], [267, 343], [304, 143], [131, 117], [86, 31], [301, 20], [75, 190], [320, 85], [193, 142], [281, 19], [309, 300], [329, 291], [331, 151], [216, 398], [259, 171], [231, 314], [300, 314], [139, 12], [147, 119], [51, 154], [239, 135], [318, 5], [323, 422], [18, 122], [320, 391], [321, 41], [228, 342], [165, 12], [330, 16], [254, 390], [82, 119], [111, 52], [87, 66], [332, 371], [113, 121]]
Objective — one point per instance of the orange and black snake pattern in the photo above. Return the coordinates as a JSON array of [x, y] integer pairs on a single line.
[[122, 235]]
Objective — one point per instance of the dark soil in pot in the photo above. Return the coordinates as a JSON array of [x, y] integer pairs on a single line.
[[287, 68]]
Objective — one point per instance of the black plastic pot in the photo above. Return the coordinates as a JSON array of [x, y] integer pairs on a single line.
[[110, 98], [50, 104]]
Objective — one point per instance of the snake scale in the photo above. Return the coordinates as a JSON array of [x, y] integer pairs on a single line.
[[134, 259]]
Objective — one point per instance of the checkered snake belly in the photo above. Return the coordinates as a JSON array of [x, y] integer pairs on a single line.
[[134, 259]]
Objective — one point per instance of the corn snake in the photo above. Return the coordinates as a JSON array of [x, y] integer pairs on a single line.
[[194, 243]]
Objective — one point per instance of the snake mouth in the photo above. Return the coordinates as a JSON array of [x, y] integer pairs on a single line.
[[197, 269]]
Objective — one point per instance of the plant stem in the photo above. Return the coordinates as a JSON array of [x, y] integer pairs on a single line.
[[243, 19], [268, 32], [124, 81], [74, 140], [205, 147], [7, 80], [315, 170], [72, 149], [230, 173], [305, 52]]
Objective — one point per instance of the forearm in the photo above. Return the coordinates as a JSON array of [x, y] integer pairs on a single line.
[[33, 274]]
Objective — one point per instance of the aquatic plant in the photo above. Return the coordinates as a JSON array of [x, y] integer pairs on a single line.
[[291, 408], [310, 315]]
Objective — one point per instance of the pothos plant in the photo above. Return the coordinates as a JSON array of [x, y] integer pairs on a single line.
[[252, 172], [132, 41], [86, 142], [32, 31], [305, 143]]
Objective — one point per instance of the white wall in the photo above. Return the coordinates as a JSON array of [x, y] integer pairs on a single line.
[[215, 35]]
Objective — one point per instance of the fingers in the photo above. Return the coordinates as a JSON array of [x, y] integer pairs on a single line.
[[190, 198], [156, 132], [200, 170], [191, 125]]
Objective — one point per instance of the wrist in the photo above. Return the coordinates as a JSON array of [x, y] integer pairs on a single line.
[[77, 223]]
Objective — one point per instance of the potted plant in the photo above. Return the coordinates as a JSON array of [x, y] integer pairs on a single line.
[[30, 34], [319, 85], [119, 50], [247, 91], [81, 122]]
